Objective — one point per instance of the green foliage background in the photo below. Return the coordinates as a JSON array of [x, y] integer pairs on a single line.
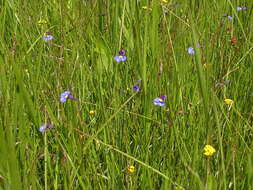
[[165, 144]]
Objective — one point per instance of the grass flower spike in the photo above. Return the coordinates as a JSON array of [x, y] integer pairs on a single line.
[[209, 150]]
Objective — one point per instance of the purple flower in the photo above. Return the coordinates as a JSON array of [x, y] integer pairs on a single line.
[[239, 8], [163, 97], [44, 127], [121, 56], [158, 102], [190, 50], [228, 16], [242, 8], [122, 52], [136, 88], [47, 37], [66, 95]]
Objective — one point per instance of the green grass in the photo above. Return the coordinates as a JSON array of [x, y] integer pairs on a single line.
[[165, 144]]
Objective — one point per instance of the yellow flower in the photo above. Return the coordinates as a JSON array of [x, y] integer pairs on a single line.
[[40, 22], [147, 8], [209, 150], [164, 1], [92, 112], [128, 89], [131, 169], [228, 101], [179, 188], [206, 65]]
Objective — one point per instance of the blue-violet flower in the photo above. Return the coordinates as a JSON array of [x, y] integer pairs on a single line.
[[158, 102], [228, 16], [136, 88], [44, 127], [121, 56], [47, 37], [66, 95], [190, 50], [241, 8]]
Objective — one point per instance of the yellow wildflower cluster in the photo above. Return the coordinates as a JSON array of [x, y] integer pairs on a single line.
[[92, 112], [179, 188], [147, 8], [131, 169], [162, 2], [42, 21], [209, 150], [228, 101]]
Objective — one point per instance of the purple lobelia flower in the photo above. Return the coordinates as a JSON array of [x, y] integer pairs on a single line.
[[122, 52], [159, 102], [45, 126], [244, 8], [190, 50], [163, 97], [47, 37], [66, 95], [136, 87], [241, 8], [228, 16], [121, 56]]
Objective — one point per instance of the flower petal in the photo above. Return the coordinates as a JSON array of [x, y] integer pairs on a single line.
[[117, 59], [43, 128]]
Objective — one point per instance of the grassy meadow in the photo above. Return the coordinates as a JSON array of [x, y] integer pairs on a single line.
[[141, 123]]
